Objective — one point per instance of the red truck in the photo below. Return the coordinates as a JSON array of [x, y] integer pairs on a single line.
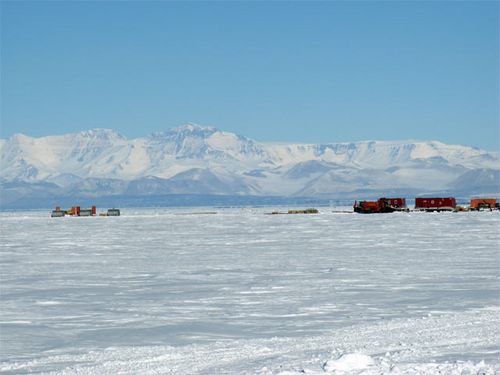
[[383, 205], [435, 204]]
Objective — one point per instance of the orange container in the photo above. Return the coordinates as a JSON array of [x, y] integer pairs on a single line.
[[366, 207], [371, 204], [476, 203]]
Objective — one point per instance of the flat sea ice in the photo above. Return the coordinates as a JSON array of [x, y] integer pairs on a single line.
[[241, 292]]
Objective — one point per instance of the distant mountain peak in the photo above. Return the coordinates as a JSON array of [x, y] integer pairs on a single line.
[[102, 134], [19, 137], [186, 130], [192, 127]]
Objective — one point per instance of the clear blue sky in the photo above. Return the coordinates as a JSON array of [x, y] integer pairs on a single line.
[[290, 71]]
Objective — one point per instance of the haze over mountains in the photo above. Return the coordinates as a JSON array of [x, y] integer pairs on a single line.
[[192, 159]]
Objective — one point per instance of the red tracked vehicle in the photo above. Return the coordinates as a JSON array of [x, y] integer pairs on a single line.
[[383, 205]]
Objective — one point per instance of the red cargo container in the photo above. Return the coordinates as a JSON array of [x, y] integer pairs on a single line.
[[397, 203], [435, 204]]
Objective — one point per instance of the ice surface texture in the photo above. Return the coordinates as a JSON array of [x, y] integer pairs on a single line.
[[158, 291]]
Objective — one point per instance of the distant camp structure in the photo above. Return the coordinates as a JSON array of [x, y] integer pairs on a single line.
[[382, 205], [306, 211], [436, 204], [294, 212], [78, 211], [113, 212]]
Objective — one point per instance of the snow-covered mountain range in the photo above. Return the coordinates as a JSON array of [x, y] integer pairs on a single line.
[[192, 159]]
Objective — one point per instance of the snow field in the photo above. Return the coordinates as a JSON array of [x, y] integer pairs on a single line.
[[240, 292]]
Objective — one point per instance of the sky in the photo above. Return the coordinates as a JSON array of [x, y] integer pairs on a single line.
[[315, 72]]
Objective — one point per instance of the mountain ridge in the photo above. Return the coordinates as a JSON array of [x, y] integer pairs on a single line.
[[193, 159]]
